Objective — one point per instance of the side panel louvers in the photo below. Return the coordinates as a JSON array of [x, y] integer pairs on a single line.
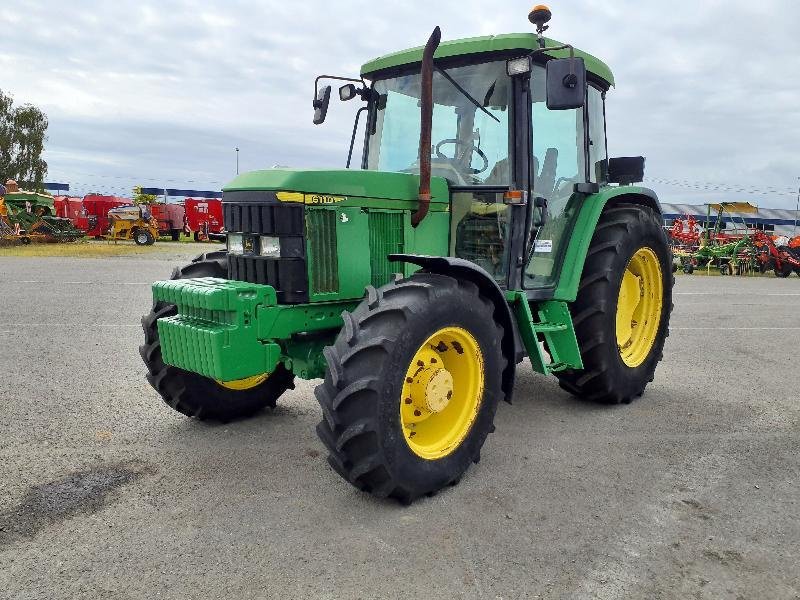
[[385, 237], [324, 258]]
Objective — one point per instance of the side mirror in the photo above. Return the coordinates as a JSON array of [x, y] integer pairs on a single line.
[[626, 170], [321, 103], [347, 92], [566, 83]]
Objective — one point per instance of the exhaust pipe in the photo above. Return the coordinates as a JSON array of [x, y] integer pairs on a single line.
[[426, 124]]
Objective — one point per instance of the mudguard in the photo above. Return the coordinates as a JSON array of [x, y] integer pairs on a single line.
[[583, 230], [511, 344]]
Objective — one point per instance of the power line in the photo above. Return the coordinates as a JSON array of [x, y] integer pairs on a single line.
[[130, 178], [721, 187]]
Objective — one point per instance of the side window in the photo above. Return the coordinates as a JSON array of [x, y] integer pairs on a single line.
[[479, 231], [597, 136], [559, 162]]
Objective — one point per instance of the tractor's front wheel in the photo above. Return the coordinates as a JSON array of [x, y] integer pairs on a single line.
[[142, 237], [621, 314], [412, 386], [191, 393]]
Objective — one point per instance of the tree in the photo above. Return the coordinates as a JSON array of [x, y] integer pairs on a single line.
[[140, 198], [23, 132]]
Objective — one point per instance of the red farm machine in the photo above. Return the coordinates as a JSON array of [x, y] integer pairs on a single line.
[[170, 219], [94, 214], [204, 218], [68, 207], [782, 259]]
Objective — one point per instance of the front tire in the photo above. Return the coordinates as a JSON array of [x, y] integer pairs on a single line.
[[412, 386], [190, 393], [142, 237], [628, 255]]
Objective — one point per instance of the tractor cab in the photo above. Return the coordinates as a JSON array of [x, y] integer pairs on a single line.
[[517, 156]]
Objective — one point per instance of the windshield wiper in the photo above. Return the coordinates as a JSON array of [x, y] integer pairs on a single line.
[[444, 74]]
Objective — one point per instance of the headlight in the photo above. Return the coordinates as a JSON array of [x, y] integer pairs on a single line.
[[235, 243], [269, 246]]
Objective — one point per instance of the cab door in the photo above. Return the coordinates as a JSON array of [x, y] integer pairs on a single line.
[[558, 163]]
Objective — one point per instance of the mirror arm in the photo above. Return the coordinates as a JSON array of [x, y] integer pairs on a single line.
[[337, 78], [353, 137]]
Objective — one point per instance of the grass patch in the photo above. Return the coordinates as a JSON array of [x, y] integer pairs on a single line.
[[101, 249]]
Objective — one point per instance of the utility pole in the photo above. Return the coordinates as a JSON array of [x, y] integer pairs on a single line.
[[237, 159], [797, 208]]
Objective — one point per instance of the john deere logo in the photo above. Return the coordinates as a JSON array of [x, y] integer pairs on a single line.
[[247, 244]]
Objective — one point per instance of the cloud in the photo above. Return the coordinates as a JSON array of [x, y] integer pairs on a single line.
[[163, 91]]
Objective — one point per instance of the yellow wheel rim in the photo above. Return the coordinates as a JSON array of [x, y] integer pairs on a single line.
[[639, 305], [247, 383], [442, 393]]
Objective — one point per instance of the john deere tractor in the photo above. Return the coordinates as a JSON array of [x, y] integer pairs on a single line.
[[485, 224]]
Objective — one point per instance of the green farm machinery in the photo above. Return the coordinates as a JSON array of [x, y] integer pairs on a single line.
[[731, 253], [30, 216], [485, 224]]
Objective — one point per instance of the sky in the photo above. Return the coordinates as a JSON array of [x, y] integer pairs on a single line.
[[160, 93]]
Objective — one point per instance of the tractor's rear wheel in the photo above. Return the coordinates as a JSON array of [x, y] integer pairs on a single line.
[[412, 386], [621, 314], [193, 394]]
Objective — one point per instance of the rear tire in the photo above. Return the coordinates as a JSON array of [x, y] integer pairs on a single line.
[[622, 231], [191, 393], [363, 394], [176, 235]]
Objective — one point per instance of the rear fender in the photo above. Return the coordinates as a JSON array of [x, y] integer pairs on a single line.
[[585, 224], [511, 344]]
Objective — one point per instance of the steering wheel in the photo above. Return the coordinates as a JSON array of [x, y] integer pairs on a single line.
[[472, 147]]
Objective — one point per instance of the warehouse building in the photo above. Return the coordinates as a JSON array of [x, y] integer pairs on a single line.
[[776, 221]]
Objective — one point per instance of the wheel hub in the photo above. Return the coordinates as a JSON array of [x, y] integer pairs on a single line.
[[432, 389], [442, 392]]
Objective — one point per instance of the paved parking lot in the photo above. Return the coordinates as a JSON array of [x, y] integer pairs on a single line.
[[690, 492]]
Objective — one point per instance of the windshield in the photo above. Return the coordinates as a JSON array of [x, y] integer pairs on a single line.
[[470, 144]]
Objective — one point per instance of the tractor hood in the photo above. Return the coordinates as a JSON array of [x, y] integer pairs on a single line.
[[340, 182]]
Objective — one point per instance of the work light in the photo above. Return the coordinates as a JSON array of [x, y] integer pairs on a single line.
[[269, 246], [518, 66], [235, 243]]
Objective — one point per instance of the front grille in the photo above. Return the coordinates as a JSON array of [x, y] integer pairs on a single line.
[[260, 213], [274, 219], [385, 237], [321, 227]]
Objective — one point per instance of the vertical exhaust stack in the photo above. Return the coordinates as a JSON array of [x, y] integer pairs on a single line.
[[426, 124]]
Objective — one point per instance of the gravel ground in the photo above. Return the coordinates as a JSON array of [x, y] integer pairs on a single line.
[[690, 492]]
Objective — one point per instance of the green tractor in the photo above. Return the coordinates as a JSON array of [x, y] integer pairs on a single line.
[[485, 224]]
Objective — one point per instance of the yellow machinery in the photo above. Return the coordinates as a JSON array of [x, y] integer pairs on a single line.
[[132, 223]]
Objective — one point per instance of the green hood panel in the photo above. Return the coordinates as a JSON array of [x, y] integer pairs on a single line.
[[340, 182]]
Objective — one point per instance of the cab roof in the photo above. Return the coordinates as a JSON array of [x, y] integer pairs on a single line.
[[479, 45]]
